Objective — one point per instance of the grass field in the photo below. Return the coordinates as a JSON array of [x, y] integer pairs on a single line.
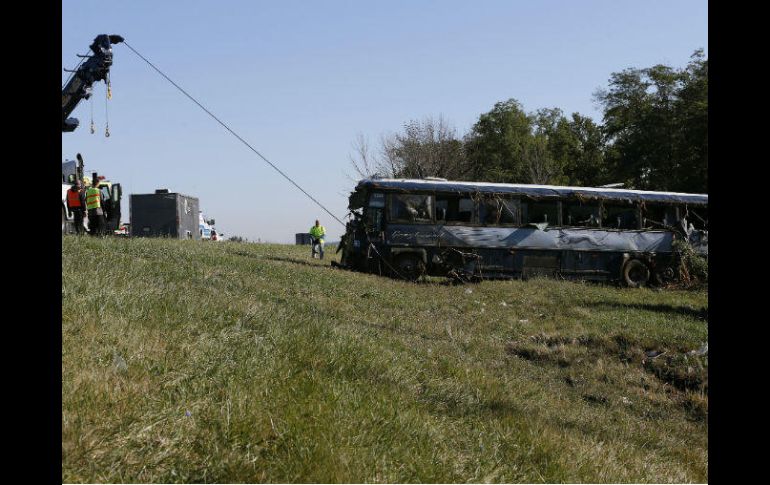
[[185, 361]]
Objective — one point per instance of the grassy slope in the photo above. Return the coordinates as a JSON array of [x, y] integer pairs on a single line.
[[187, 361]]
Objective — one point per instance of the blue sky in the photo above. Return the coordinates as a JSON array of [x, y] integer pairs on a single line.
[[299, 81]]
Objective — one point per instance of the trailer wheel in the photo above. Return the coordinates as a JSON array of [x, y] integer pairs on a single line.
[[409, 267], [636, 274]]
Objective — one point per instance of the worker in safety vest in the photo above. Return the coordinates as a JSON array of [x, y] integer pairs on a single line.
[[317, 233], [96, 220], [76, 205]]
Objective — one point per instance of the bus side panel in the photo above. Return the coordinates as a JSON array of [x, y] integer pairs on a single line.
[[551, 238], [529, 251], [595, 265]]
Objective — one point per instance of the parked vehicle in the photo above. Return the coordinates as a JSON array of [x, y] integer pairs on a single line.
[[472, 230], [72, 171], [204, 226], [164, 214]]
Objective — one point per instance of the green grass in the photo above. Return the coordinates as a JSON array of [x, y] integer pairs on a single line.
[[185, 361]]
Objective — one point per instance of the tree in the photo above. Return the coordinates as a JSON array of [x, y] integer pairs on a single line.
[[656, 120], [497, 142], [692, 112], [366, 164], [584, 160], [545, 147], [427, 148]]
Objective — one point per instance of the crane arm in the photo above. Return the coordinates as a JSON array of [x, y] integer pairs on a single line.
[[95, 68]]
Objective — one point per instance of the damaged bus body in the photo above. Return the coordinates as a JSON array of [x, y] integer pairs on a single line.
[[473, 230]]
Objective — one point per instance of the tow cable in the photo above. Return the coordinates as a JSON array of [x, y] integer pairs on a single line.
[[232, 132], [236, 135]]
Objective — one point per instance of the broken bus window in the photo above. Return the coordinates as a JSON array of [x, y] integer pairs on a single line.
[[454, 209], [411, 208], [578, 214], [535, 212], [620, 216]]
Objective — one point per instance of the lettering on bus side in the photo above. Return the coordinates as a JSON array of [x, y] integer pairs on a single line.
[[413, 237]]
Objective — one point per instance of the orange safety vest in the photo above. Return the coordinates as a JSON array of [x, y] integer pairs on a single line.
[[73, 198]]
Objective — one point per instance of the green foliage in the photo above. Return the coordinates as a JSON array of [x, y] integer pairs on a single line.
[[545, 147], [693, 268], [654, 136], [252, 363], [656, 120], [497, 143]]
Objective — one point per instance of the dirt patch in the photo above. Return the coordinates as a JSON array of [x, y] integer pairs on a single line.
[[684, 370]]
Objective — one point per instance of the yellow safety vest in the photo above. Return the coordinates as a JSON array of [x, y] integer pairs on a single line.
[[92, 198], [317, 232]]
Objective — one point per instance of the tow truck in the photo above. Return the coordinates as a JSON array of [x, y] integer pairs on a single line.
[[95, 67]]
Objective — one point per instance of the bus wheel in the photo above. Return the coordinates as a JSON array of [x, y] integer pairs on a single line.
[[409, 267], [636, 273]]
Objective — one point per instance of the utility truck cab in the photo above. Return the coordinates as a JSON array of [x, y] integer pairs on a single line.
[[111, 192]]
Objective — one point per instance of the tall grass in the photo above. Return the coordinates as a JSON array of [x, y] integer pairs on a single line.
[[186, 362]]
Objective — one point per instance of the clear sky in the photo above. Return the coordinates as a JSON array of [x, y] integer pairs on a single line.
[[299, 81]]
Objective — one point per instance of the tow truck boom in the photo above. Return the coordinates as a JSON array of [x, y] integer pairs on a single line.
[[95, 68]]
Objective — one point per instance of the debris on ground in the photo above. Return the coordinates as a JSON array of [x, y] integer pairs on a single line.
[[651, 354], [704, 350], [119, 362]]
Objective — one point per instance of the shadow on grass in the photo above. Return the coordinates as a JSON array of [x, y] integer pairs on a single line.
[[698, 313]]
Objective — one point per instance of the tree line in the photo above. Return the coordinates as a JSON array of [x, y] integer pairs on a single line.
[[653, 136]]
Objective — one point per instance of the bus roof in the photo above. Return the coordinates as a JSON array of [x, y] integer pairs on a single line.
[[536, 191]]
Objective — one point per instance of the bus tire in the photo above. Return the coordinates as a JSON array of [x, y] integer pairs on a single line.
[[636, 274], [409, 266]]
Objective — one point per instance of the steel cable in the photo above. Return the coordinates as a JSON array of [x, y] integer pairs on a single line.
[[233, 132]]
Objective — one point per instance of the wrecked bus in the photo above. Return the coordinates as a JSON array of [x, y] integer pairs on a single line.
[[408, 228]]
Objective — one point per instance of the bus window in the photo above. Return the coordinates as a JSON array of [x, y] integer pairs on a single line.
[[495, 211], [580, 215], [658, 216], [377, 199], [698, 217], [620, 216], [535, 212], [410, 208], [373, 220], [453, 208]]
